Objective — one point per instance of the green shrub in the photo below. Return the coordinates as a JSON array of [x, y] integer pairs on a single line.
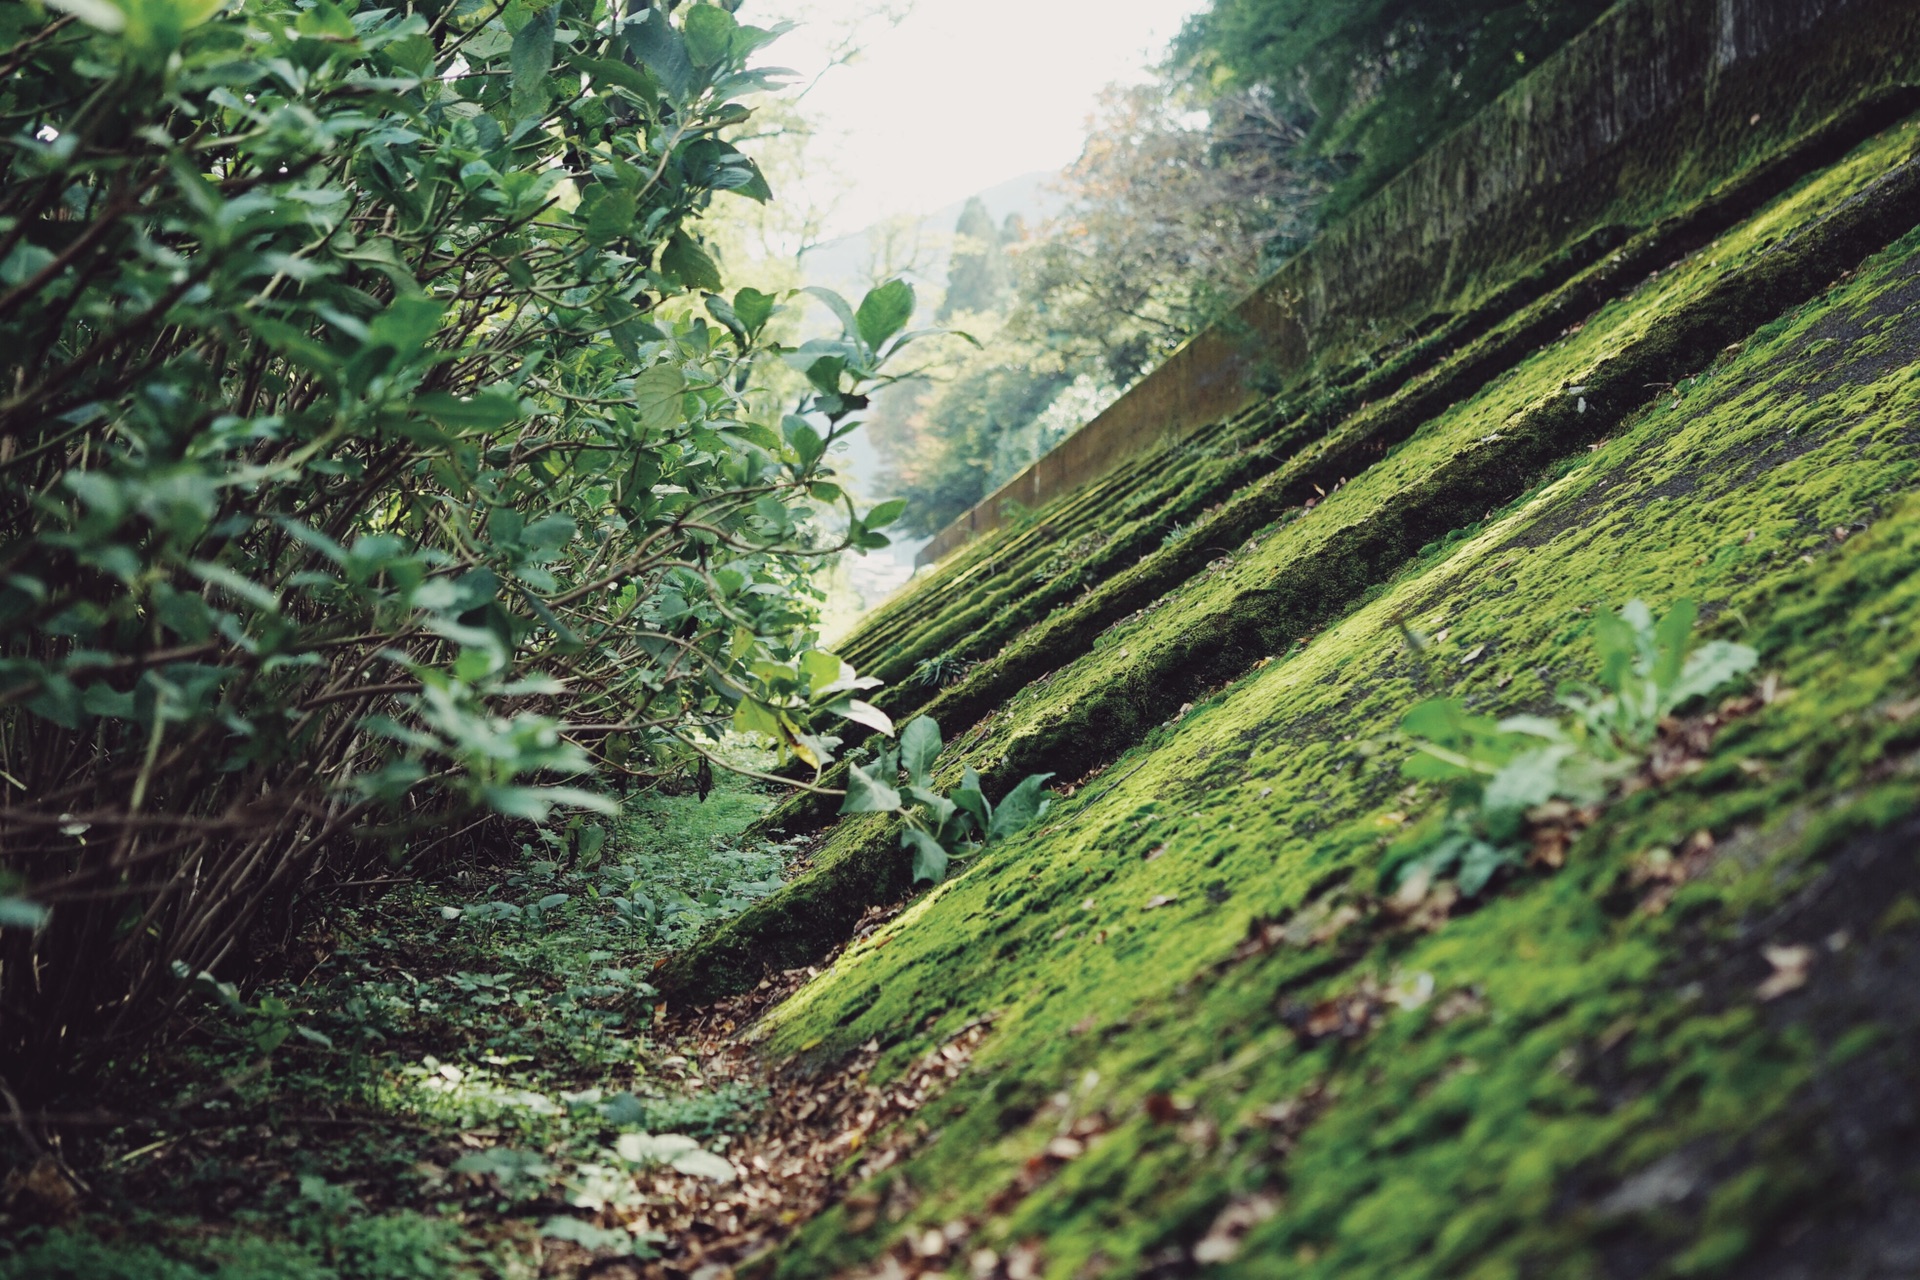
[[375, 446]]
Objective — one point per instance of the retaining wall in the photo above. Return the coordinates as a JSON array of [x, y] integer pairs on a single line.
[[1588, 140]]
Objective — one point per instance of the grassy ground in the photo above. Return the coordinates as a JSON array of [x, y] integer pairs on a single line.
[[458, 1063]]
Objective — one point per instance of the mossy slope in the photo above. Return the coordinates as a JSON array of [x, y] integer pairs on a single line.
[[1320, 556], [1590, 1089]]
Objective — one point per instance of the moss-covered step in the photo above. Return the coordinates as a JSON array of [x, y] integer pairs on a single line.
[[1578, 1078], [1404, 390], [1309, 571], [968, 608], [1471, 458]]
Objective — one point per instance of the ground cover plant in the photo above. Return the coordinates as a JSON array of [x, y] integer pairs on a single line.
[[937, 828], [1502, 774], [479, 1076]]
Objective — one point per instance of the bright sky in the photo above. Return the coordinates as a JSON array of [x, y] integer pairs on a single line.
[[961, 94]]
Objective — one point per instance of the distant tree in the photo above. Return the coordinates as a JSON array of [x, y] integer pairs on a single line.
[[949, 438], [1271, 117], [1175, 214], [978, 276], [1378, 81]]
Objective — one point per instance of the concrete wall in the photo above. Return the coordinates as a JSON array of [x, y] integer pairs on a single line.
[[1666, 97]]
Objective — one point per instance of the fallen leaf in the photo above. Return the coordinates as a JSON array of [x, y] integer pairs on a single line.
[[1901, 712], [1221, 1243], [1163, 1108], [1790, 965]]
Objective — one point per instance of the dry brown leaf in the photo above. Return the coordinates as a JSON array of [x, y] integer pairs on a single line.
[[1790, 966]]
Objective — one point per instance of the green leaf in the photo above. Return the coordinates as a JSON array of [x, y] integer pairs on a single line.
[[530, 61], [709, 31], [970, 800], [1617, 645], [1478, 863], [589, 842], [98, 14], [657, 397], [238, 585], [1021, 807], [806, 443], [535, 803], [488, 411], [661, 48], [862, 713], [1670, 638], [820, 668], [653, 1148], [885, 514], [837, 305], [754, 309], [612, 71], [929, 859], [1530, 778], [589, 1236], [1434, 718], [722, 310], [703, 1164], [688, 264], [939, 808], [1711, 665], [1534, 727], [825, 372], [884, 312], [549, 533], [104, 495], [408, 324], [868, 793], [610, 217], [754, 434], [919, 748], [755, 187]]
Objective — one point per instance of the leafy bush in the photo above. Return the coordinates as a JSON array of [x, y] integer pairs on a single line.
[[1499, 770], [936, 828], [376, 448]]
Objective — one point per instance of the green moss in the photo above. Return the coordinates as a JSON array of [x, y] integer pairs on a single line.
[[1489, 1141], [1417, 383], [1478, 454], [1265, 599]]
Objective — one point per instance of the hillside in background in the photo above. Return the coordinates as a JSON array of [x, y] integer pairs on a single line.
[[918, 250]]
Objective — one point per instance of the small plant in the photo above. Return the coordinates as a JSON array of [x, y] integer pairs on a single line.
[[940, 670], [935, 828], [264, 1025], [1017, 515], [1500, 770]]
